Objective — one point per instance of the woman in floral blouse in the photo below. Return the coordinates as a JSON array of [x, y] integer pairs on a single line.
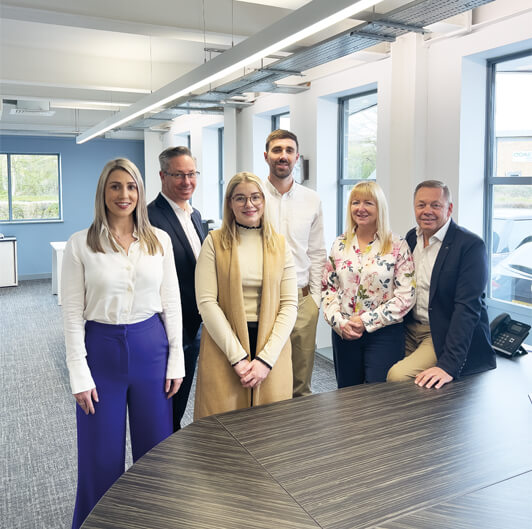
[[368, 286]]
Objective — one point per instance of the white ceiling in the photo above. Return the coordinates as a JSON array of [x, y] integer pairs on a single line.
[[103, 54], [85, 54]]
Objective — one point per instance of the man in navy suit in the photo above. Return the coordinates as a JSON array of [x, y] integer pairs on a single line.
[[447, 331], [172, 212]]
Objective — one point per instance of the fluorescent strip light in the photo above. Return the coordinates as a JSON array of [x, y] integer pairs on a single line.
[[298, 25]]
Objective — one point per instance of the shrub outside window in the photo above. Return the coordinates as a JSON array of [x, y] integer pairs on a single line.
[[358, 146], [29, 187]]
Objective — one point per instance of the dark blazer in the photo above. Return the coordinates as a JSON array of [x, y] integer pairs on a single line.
[[457, 311], [162, 216]]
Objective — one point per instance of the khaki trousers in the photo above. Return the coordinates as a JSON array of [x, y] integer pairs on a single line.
[[303, 340], [419, 353]]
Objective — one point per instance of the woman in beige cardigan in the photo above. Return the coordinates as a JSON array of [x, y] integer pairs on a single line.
[[247, 296]]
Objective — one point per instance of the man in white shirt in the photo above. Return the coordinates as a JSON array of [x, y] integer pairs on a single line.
[[296, 213], [172, 212], [447, 331]]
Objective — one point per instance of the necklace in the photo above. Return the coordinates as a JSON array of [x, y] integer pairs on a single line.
[[248, 227]]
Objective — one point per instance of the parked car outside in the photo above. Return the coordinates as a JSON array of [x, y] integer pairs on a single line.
[[511, 263]]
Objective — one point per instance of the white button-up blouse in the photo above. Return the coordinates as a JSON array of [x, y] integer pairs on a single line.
[[118, 288]]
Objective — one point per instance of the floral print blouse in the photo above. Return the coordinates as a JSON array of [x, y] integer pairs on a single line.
[[379, 288]]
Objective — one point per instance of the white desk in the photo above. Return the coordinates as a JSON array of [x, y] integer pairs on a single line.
[[57, 262], [8, 262]]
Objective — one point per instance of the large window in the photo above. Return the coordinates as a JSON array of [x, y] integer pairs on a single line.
[[358, 146], [29, 187], [509, 180], [281, 121]]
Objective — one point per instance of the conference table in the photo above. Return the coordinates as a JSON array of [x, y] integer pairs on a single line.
[[387, 456]]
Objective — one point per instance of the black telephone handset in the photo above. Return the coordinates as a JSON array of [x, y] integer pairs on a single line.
[[507, 335]]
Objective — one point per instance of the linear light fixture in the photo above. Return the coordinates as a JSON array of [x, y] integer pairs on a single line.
[[305, 21]]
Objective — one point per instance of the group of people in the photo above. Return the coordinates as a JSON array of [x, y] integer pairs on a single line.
[[146, 290]]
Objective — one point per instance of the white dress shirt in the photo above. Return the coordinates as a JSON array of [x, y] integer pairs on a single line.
[[118, 288], [297, 215], [185, 218], [424, 259]]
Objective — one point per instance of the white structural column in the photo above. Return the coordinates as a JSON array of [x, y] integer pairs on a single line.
[[153, 146], [230, 143], [408, 126], [324, 172]]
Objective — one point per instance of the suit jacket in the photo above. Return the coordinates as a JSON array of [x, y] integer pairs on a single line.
[[163, 216], [457, 311]]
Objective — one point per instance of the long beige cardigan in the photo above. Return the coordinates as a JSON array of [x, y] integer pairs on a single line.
[[218, 387]]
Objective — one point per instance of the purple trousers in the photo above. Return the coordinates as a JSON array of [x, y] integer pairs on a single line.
[[128, 365]]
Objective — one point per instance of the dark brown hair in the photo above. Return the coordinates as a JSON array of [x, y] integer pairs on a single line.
[[281, 134]]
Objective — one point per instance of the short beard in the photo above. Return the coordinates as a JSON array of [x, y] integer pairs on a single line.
[[281, 176]]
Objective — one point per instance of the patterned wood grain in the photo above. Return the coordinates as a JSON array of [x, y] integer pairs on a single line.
[[369, 456], [200, 478], [359, 456], [501, 506]]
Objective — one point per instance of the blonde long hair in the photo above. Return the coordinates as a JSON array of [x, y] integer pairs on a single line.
[[145, 231], [229, 233], [373, 191]]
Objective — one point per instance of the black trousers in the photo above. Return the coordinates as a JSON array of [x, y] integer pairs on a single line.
[[180, 399], [253, 329], [369, 358]]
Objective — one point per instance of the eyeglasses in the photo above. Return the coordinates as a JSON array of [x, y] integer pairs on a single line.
[[182, 176], [255, 199]]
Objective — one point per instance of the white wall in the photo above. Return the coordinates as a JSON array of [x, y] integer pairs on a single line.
[[431, 114], [153, 145], [457, 106]]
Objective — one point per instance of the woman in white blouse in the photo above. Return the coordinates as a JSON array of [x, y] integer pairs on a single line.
[[247, 296], [122, 322], [368, 286]]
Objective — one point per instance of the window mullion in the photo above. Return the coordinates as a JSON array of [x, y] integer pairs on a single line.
[[9, 188]]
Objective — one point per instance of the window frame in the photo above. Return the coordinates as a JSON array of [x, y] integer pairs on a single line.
[[342, 145], [276, 119], [490, 181], [11, 220]]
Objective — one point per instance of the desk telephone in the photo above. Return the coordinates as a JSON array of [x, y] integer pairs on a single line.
[[507, 335]]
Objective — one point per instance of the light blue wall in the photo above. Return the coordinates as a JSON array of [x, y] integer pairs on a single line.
[[81, 166]]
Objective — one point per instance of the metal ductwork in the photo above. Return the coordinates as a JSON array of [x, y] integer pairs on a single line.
[[412, 17]]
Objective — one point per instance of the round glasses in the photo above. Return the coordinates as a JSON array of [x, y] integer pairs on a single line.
[[241, 200]]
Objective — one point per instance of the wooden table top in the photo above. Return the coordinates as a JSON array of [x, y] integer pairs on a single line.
[[388, 456]]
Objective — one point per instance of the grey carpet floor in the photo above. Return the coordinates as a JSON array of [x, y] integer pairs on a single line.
[[37, 420]]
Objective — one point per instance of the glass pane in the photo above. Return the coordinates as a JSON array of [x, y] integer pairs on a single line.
[[360, 138], [4, 202], [35, 186], [345, 195], [513, 116], [284, 121], [514, 156], [511, 256], [359, 144]]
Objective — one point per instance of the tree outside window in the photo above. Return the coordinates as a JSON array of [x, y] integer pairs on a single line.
[[358, 146], [29, 187]]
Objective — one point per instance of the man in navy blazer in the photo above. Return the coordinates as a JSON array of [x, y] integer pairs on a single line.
[[447, 332], [172, 212]]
